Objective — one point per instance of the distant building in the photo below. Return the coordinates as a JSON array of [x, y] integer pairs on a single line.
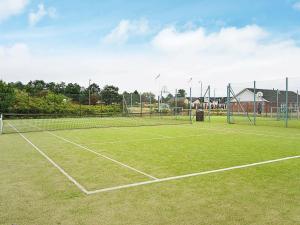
[[265, 100], [215, 102]]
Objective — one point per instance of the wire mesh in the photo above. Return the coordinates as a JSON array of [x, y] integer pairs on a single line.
[[271, 102]]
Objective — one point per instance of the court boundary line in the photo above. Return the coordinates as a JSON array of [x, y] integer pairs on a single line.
[[189, 175], [157, 180], [99, 154], [104, 156], [81, 187]]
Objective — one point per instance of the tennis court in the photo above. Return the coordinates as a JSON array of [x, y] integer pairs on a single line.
[[155, 165]]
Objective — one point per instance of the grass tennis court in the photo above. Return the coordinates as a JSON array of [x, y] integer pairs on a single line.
[[200, 173]]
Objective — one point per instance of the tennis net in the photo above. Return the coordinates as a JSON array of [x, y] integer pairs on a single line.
[[13, 123]]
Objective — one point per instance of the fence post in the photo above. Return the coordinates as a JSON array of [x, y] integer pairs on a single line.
[[209, 105], [277, 105], [228, 103], [190, 104], [80, 99], [150, 102], [141, 105], [286, 101], [1, 124], [298, 104], [254, 106], [28, 103], [123, 105]]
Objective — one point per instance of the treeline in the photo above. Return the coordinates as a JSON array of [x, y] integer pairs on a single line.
[[61, 98]]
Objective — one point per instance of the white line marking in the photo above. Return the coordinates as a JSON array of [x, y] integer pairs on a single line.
[[156, 180], [190, 175], [52, 162], [104, 156]]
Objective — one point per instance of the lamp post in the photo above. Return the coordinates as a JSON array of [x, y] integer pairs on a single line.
[[200, 82], [158, 98]]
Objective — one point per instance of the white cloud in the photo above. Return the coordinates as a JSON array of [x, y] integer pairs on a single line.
[[18, 50], [228, 55], [35, 17], [296, 6], [11, 7], [227, 39], [127, 29]]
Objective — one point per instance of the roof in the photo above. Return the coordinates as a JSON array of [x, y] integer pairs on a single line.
[[271, 95]]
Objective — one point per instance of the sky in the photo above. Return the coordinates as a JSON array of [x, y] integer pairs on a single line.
[[127, 43]]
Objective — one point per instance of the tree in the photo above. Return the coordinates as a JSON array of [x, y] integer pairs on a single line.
[[51, 86], [34, 87], [181, 93], [168, 97], [94, 88], [146, 96], [7, 96], [60, 88], [110, 95], [73, 91], [18, 85]]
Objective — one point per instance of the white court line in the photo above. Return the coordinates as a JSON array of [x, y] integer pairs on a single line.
[[52, 162], [152, 181], [104, 156], [189, 175]]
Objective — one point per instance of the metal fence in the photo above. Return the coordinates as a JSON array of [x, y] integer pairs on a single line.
[[271, 103]]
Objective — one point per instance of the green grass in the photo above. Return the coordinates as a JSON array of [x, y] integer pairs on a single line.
[[33, 191], [267, 121]]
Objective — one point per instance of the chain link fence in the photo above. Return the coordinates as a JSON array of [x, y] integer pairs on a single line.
[[270, 103]]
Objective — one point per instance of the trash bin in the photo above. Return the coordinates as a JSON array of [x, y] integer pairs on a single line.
[[200, 115]]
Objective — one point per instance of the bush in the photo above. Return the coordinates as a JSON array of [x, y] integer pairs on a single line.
[[51, 103]]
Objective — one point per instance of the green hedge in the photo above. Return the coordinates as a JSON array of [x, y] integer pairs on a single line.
[[49, 103]]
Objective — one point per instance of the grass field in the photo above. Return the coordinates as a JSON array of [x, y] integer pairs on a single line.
[[200, 173]]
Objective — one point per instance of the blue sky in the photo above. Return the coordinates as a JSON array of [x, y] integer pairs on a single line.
[[109, 32], [84, 23]]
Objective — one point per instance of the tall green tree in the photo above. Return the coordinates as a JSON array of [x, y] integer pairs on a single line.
[[36, 86], [110, 94], [18, 85], [7, 97], [94, 88]]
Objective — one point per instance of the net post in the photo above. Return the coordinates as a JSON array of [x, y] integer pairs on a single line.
[[254, 106], [209, 105], [1, 124], [286, 101]]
